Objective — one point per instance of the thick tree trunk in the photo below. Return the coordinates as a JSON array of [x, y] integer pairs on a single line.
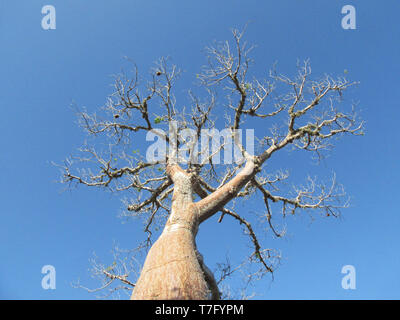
[[173, 268]]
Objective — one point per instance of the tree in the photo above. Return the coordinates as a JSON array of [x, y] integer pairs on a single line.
[[182, 186]]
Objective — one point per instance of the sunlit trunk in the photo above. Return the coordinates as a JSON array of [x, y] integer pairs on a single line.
[[172, 269]]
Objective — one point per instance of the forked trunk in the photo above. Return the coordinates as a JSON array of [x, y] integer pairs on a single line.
[[173, 268]]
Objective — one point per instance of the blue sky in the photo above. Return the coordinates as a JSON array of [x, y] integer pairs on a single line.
[[43, 72]]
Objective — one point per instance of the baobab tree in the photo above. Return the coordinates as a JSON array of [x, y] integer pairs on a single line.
[[181, 186]]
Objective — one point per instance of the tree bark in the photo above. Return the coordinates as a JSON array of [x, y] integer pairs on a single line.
[[173, 268]]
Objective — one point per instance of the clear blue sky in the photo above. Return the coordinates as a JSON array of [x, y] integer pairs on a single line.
[[43, 72]]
